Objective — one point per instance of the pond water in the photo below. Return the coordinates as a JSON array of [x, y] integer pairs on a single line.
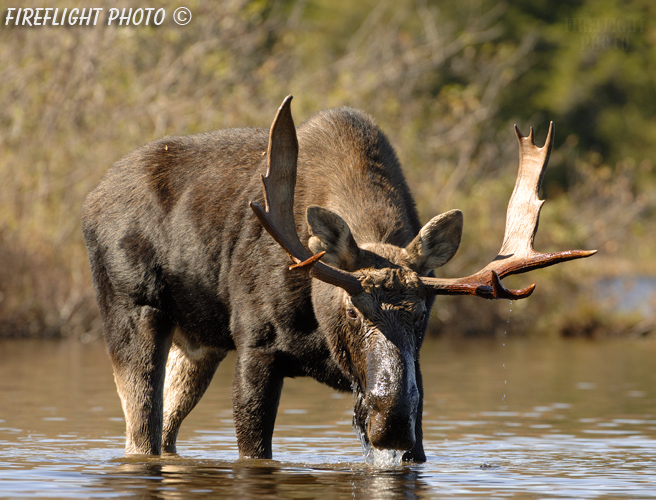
[[503, 419]]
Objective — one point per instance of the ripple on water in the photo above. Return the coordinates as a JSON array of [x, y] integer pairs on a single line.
[[581, 415]]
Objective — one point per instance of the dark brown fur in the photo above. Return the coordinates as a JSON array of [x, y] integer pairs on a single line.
[[184, 272]]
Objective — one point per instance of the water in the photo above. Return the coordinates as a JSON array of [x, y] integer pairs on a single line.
[[578, 421], [384, 459], [629, 294]]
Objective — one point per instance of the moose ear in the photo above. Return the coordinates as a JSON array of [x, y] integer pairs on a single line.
[[330, 233], [436, 243]]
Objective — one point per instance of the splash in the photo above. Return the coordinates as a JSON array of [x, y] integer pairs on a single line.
[[382, 459]]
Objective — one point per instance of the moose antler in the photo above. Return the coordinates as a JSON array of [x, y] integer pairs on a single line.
[[278, 215], [517, 254]]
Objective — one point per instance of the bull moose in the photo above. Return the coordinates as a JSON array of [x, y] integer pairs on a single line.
[[190, 248]]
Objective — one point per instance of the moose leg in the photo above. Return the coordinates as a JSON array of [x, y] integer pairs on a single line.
[[417, 454], [255, 396], [189, 371], [138, 345]]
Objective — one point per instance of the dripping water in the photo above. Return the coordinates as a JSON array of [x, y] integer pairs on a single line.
[[503, 357], [378, 458]]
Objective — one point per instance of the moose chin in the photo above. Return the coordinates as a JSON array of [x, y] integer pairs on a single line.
[[300, 249]]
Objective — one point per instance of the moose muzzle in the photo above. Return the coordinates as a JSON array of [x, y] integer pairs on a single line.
[[392, 397]]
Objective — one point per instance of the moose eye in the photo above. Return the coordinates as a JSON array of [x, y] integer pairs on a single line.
[[351, 313], [422, 316]]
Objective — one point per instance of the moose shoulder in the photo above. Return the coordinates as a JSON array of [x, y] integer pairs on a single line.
[[184, 272]]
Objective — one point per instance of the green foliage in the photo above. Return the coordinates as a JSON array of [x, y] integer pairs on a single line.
[[445, 80], [593, 73]]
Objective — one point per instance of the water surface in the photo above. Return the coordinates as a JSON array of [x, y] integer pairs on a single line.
[[525, 420]]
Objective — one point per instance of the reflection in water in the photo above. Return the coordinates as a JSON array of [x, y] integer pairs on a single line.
[[578, 420], [156, 479]]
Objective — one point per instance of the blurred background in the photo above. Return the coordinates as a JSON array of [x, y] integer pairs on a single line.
[[446, 81]]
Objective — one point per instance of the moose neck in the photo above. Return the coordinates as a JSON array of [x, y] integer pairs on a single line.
[[353, 171]]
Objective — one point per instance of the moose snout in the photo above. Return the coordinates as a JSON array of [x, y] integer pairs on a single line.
[[392, 430], [392, 401]]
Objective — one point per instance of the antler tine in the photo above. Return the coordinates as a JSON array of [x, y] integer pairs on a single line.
[[517, 254], [278, 215]]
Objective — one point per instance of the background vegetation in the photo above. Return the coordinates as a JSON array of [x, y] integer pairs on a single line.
[[446, 80]]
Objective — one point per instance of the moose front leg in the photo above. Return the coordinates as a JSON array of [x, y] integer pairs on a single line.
[[255, 396], [417, 454]]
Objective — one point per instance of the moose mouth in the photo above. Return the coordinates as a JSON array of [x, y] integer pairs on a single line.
[[391, 432]]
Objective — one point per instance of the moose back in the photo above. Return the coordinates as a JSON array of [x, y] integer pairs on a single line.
[[187, 265]]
